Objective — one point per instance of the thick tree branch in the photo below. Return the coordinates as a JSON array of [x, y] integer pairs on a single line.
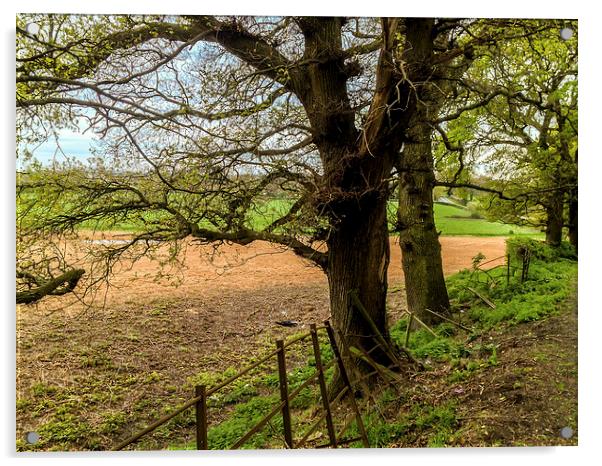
[[252, 49], [244, 237], [52, 287], [501, 194]]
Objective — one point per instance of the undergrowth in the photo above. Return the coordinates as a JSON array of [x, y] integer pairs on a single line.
[[550, 281]]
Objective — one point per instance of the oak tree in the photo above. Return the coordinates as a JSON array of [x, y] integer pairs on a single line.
[[201, 116]]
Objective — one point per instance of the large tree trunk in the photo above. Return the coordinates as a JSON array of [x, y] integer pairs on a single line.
[[357, 165], [555, 218], [353, 190], [358, 250], [418, 237]]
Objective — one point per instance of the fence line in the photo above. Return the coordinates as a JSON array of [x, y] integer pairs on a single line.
[[199, 401], [524, 266], [323, 390], [201, 418]]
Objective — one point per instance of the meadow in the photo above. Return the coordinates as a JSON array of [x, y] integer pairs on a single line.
[[450, 220]]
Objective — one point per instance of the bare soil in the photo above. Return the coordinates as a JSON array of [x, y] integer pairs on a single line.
[[96, 373]]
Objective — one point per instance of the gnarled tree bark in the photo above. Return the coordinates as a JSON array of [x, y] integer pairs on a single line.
[[554, 218]]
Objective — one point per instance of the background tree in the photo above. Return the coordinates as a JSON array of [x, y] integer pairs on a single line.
[[522, 145], [448, 55], [442, 103]]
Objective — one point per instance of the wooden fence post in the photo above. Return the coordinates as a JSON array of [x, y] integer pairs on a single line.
[[286, 412], [346, 381], [323, 390], [526, 260], [508, 270], [201, 417]]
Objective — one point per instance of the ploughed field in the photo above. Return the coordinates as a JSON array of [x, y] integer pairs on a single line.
[[84, 371]]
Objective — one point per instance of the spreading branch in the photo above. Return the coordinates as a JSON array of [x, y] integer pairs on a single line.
[[58, 286]]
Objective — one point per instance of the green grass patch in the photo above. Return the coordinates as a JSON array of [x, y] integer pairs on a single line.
[[547, 285], [64, 428], [450, 220], [455, 221], [245, 417], [437, 425], [381, 433], [424, 345]]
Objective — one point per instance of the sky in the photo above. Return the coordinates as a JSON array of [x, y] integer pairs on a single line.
[[73, 144]]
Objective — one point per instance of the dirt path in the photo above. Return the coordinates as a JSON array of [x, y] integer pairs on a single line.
[[148, 332]]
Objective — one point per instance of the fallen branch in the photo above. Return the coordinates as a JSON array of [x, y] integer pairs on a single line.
[[52, 287], [485, 300], [383, 371], [408, 328], [427, 328], [442, 317]]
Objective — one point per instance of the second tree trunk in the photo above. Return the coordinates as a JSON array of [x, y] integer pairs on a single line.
[[418, 237]]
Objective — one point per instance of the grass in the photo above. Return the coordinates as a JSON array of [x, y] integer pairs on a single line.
[[388, 424], [450, 220], [62, 411], [455, 221], [549, 283]]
